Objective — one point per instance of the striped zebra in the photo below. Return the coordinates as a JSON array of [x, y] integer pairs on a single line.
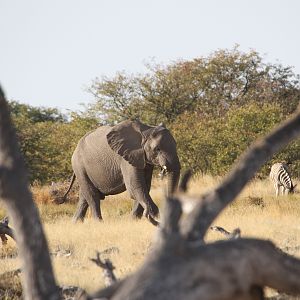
[[281, 177]]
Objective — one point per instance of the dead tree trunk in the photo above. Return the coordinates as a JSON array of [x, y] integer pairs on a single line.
[[39, 282]]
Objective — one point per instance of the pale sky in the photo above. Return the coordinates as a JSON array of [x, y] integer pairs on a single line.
[[51, 50]]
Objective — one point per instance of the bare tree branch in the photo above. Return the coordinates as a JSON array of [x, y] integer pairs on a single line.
[[235, 234], [108, 269], [232, 269], [39, 282]]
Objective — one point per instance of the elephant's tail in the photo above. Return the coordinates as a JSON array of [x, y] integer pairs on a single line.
[[64, 197]]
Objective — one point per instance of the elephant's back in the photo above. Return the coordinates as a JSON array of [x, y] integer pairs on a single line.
[[93, 147], [95, 139]]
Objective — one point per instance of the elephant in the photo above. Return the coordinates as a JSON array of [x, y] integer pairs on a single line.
[[110, 160]]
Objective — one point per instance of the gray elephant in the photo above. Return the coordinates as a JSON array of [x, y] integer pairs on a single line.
[[110, 160]]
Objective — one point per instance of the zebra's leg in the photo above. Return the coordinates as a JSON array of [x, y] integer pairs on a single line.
[[277, 188]]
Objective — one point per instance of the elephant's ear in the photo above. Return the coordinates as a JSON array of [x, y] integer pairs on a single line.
[[126, 140]]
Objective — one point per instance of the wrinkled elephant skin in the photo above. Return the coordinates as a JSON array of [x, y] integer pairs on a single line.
[[110, 160]]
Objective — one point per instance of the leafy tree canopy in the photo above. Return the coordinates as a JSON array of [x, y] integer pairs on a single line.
[[209, 85], [35, 114]]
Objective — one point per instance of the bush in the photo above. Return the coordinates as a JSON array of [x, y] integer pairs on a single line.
[[212, 145]]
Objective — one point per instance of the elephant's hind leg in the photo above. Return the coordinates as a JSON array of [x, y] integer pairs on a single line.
[[95, 208], [90, 196], [81, 209], [93, 197]]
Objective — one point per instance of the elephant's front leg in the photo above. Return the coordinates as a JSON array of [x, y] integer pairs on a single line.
[[138, 189], [137, 209]]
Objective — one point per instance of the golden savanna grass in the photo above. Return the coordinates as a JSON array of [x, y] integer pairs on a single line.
[[257, 212]]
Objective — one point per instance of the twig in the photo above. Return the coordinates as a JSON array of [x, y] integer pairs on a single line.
[[107, 266], [235, 234]]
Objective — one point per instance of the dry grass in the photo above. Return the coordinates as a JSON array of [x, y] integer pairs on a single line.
[[256, 212], [127, 240]]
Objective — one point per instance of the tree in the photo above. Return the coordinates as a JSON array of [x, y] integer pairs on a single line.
[[48, 139], [117, 99], [35, 114], [212, 145], [209, 85], [39, 280]]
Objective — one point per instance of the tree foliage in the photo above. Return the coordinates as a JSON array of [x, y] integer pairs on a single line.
[[215, 106], [48, 139], [209, 85], [35, 114], [211, 145]]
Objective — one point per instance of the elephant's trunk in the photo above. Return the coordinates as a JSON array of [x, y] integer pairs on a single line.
[[173, 179], [170, 166]]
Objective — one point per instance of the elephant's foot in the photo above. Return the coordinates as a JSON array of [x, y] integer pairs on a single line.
[[154, 211], [137, 210], [137, 214], [98, 218], [153, 221], [148, 213], [77, 219]]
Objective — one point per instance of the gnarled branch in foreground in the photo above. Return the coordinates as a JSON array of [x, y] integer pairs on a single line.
[[231, 269], [180, 266], [39, 282]]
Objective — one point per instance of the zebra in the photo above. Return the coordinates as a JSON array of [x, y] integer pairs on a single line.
[[281, 177]]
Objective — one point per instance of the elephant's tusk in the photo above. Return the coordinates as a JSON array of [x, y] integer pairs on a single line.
[[163, 172]]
